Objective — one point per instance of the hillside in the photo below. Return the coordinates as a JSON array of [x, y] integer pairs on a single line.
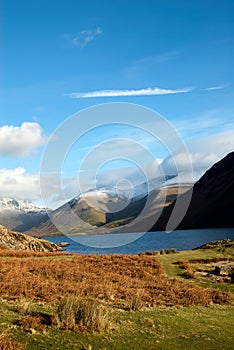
[[101, 221], [212, 200], [20, 241]]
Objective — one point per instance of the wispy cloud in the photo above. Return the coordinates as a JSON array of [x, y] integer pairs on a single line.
[[206, 123], [146, 64], [159, 58], [120, 93], [85, 36], [218, 87]]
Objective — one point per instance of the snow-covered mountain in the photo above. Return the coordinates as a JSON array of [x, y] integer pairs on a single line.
[[23, 206], [104, 199], [20, 215], [106, 208]]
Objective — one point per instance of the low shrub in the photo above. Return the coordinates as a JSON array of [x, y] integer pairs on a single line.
[[35, 321], [189, 273], [184, 264], [149, 252]]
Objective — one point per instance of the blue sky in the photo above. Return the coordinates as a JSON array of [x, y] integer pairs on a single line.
[[175, 57]]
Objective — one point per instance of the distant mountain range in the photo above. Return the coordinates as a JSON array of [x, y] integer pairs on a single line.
[[20, 215], [104, 210], [212, 203], [95, 209], [108, 209]]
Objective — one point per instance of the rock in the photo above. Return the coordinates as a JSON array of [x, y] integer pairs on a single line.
[[19, 241], [63, 244]]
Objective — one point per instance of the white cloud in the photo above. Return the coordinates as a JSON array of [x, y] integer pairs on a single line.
[[204, 152], [218, 87], [85, 36], [119, 93], [20, 141], [208, 150], [16, 183], [134, 175]]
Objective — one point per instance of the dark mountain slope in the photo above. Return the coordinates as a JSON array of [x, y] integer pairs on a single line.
[[212, 203]]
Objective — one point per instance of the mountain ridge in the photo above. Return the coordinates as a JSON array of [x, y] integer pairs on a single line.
[[95, 222], [19, 204], [21, 215]]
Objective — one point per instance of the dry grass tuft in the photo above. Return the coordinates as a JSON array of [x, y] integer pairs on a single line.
[[81, 314], [136, 302]]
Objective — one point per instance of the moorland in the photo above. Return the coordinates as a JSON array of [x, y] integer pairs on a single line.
[[153, 300]]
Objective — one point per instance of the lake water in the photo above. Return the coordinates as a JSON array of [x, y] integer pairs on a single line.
[[133, 243]]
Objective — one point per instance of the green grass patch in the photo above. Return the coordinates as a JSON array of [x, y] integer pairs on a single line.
[[154, 328], [172, 269]]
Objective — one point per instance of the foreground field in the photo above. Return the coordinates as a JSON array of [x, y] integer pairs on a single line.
[[155, 328], [64, 301]]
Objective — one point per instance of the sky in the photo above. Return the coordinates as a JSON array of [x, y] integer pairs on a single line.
[[57, 58]]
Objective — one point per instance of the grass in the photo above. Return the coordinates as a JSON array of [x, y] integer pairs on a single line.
[[113, 302], [152, 328], [172, 268]]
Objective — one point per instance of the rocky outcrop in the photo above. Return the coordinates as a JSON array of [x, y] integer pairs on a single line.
[[19, 241]]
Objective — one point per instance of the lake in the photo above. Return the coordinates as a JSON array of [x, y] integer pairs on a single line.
[[134, 243]]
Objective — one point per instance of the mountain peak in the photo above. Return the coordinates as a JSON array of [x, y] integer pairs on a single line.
[[21, 215], [20, 205]]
